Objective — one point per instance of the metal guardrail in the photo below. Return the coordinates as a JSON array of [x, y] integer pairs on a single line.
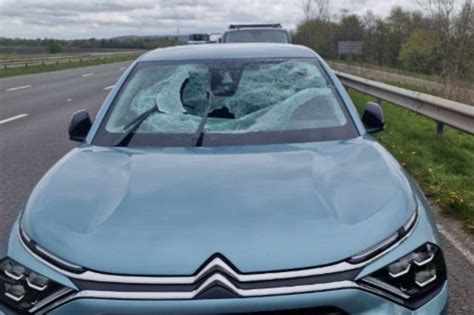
[[15, 63], [443, 111], [462, 92]]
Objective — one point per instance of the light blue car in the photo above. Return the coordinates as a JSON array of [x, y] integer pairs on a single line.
[[226, 179]]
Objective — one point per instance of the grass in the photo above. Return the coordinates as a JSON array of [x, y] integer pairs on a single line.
[[458, 96], [10, 72], [422, 88], [416, 88], [13, 55], [460, 91], [442, 165]]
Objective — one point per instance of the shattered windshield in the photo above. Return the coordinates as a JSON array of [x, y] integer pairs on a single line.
[[248, 97]]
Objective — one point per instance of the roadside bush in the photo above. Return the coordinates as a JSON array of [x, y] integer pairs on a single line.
[[319, 35], [53, 46], [419, 53]]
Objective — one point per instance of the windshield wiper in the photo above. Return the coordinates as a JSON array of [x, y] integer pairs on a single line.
[[132, 127], [200, 131]]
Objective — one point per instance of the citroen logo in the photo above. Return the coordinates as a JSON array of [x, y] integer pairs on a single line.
[[216, 265], [216, 273]]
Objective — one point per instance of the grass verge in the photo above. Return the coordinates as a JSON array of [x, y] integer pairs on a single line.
[[403, 72], [459, 91], [442, 165], [11, 72]]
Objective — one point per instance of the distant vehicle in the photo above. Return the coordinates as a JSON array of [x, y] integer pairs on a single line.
[[256, 33], [195, 39], [215, 38]]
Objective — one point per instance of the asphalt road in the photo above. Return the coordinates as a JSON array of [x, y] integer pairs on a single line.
[[30, 145], [34, 114]]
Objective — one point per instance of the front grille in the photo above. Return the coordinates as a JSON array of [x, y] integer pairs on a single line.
[[86, 285]]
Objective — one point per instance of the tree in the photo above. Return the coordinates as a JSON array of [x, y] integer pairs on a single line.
[[398, 31], [438, 39], [53, 46], [315, 9], [441, 13], [373, 43], [419, 53], [319, 35], [464, 41], [350, 28]]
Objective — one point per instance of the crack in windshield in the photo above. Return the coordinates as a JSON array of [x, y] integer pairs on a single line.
[[225, 97]]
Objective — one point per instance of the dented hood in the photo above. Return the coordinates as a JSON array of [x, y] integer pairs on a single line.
[[265, 208]]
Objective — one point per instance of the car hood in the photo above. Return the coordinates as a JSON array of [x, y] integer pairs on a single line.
[[265, 208]]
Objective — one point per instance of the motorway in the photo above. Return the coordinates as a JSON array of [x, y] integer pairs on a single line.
[[35, 111], [34, 114]]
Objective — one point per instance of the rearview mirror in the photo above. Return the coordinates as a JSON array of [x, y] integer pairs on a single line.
[[79, 126], [373, 118]]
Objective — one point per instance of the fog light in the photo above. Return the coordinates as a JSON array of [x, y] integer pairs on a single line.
[[15, 292]]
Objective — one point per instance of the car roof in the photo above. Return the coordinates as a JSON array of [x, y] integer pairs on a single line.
[[283, 30], [254, 26], [229, 51]]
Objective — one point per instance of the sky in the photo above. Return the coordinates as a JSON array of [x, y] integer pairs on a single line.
[[68, 19]]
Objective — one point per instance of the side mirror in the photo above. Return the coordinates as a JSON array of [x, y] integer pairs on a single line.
[[373, 118], [79, 126]]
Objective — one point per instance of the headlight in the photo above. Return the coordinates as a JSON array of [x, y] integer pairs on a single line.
[[412, 280], [23, 289]]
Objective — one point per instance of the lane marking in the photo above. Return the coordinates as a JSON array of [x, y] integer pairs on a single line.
[[109, 87], [87, 75], [18, 88], [122, 68], [13, 118], [457, 244], [69, 100]]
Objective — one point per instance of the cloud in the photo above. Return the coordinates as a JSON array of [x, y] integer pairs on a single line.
[[108, 18]]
